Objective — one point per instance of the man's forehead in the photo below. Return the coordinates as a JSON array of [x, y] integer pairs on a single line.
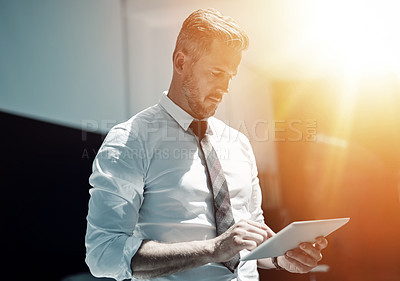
[[222, 56]]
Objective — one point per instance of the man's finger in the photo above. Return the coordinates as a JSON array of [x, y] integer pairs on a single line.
[[254, 237], [245, 244], [312, 251], [321, 243], [263, 227]]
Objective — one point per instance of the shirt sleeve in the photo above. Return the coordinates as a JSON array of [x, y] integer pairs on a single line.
[[115, 200]]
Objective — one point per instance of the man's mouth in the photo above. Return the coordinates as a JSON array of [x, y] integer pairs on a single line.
[[215, 99]]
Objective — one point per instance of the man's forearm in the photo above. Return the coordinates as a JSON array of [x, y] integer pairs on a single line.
[[155, 259]]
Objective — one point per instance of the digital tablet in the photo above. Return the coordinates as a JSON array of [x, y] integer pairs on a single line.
[[292, 235]]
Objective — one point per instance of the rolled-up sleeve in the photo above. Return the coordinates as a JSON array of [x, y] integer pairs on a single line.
[[114, 204]]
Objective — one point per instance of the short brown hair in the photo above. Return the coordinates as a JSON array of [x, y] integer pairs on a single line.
[[205, 25]]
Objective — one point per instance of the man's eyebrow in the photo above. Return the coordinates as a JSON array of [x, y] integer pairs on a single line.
[[232, 74]]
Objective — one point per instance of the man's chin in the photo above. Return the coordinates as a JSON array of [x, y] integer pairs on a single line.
[[205, 116], [204, 112]]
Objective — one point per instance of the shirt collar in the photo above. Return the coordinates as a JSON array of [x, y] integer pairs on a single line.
[[178, 114], [183, 118]]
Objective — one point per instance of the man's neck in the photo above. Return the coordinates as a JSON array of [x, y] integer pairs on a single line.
[[175, 94]]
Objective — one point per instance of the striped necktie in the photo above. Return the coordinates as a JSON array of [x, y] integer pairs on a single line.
[[222, 202]]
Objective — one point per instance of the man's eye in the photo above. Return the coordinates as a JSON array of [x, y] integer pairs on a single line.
[[216, 73]]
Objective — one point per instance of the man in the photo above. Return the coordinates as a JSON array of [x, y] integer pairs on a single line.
[[172, 200]]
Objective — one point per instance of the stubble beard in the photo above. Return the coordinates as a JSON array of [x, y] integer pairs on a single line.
[[192, 94]]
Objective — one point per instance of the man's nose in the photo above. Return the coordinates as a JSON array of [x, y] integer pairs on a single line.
[[225, 84]]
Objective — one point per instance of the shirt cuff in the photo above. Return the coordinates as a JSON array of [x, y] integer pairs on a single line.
[[132, 244]]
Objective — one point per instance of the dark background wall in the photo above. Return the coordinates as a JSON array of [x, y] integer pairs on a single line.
[[45, 170]]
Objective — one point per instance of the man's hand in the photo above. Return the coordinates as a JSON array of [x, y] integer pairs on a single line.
[[243, 235], [304, 258]]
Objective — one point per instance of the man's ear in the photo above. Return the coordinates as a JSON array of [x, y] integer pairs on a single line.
[[179, 61]]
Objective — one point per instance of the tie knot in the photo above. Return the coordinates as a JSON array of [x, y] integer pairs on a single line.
[[199, 127]]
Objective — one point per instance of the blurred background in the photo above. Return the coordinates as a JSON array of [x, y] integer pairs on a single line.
[[318, 95]]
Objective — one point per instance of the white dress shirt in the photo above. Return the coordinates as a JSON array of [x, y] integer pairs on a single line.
[[149, 182]]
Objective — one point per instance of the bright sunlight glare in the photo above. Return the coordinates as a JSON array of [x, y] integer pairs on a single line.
[[360, 37]]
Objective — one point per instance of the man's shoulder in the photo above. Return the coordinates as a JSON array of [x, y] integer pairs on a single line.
[[140, 123], [149, 115]]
